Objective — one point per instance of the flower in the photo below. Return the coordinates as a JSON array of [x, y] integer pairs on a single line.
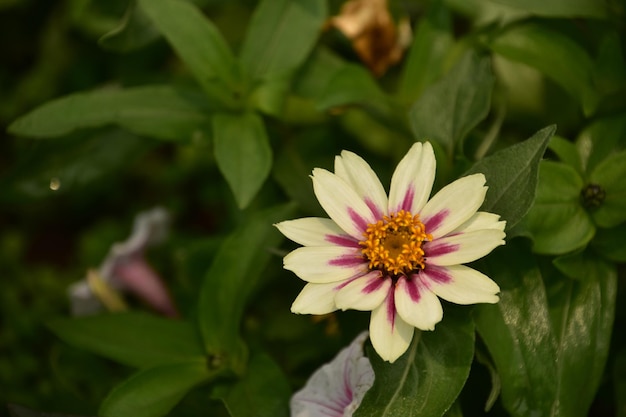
[[337, 388], [125, 269], [393, 255]]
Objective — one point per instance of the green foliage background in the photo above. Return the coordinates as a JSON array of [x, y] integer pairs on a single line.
[[218, 110]]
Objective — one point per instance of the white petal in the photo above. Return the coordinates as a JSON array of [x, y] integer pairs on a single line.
[[338, 387], [316, 299], [416, 304], [453, 205], [463, 247], [364, 293], [481, 220], [389, 334], [315, 231], [460, 284], [355, 171], [412, 181], [322, 264], [342, 203]]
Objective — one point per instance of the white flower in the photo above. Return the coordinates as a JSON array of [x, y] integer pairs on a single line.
[[337, 388], [125, 269], [393, 255]]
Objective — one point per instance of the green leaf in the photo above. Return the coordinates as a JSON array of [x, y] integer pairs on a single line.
[[432, 41], [200, 45], [134, 31], [281, 36], [600, 139], [134, 339], [161, 112], [567, 153], [155, 391], [263, 391], [559, 8], [549, 347], [426, 380], [610, 243], [449, 109], [234, 274], [553, 54], [610, 174], [512, 176], [557, 222], [243, 153]]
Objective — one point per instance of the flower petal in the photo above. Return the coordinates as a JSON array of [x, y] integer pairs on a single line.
[[416, 304], [323, 264], [481, 220], [364, 293], [463, 247], [342, 203], [355, 171], [412, 181], [316, 299], [315, 231], [460, 284], [389, 334], [453, 205]]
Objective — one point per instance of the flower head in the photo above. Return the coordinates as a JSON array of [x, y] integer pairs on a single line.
[[393, 255], [337, 388], [126, 269]]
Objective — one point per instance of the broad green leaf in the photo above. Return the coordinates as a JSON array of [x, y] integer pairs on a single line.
[[512, 176], [243, 153], [517, 332], [549, 345], [263, 391], [560, 8], [449, 109], [351, 85], [155, 391], [553, 54], [134, 339], [161, 112], [582, 317], [281, 36], [134, 31], [557, 221], [567, 153], [432, 41], [426, 380], [610, 243], [234, 274], [600, 139], [609, 175], [200, 45]]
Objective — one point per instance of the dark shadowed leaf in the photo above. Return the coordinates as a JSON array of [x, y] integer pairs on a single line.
[[234, 274], [161, 112], [512, 176], [449, 109], [134, 339], [426, 380], [243, 153], [263, 391], [155, 391]]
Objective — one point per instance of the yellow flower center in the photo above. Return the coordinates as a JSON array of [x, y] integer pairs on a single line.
[[394, 244]]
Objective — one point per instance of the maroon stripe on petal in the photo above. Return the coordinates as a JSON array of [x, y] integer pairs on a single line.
[[432, 223], [391, 306], [374, 209], [432, 249], [407, 201], [345, 241], [359, 221], [437, 274]]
